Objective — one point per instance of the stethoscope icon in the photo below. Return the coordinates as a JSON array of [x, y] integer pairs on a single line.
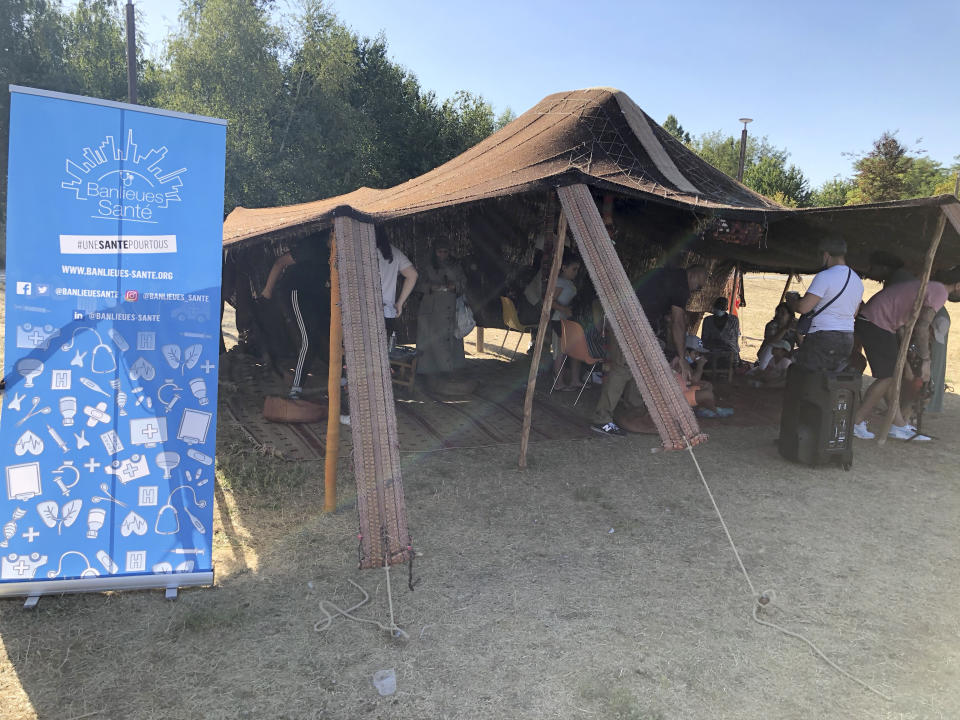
[[64, 487], [168, 404], [194, 520], [89, 572], [66, 347]]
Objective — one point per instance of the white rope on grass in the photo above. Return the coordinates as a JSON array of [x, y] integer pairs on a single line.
[[392, 628], [767, 596]]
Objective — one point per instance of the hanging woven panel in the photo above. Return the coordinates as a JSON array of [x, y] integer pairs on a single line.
[[373, 421], [669, 410]]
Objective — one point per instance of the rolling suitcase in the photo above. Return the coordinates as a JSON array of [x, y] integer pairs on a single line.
[[816, 426]]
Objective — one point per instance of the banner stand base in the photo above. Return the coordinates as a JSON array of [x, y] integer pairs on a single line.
[[33, 589]]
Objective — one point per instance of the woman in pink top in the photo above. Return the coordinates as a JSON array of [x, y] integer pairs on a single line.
[[877, 326]]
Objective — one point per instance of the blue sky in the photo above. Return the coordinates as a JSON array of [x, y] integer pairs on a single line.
[[819, 78]]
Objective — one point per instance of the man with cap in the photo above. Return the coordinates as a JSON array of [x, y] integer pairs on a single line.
[[832, 300]]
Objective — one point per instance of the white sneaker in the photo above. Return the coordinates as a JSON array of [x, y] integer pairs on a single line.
[[860, 431], [907, 432]]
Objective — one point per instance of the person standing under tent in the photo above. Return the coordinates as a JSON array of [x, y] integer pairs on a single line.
[[302, 276], [393, 263], [878, 324], [663, 294], [441, 281], [832, 299]]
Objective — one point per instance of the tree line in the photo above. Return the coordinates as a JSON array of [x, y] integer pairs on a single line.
[[888, 171], [315, 110]]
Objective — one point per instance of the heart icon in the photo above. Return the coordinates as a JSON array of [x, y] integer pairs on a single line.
[[133, 523], [142, 369], [28, 443]]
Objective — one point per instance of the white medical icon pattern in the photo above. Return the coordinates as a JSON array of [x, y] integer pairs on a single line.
[[103, 513]]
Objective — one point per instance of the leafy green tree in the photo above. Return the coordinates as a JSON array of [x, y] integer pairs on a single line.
[[225, 62], [95, 50], [673, 126], [770, 176], [832, 193], [504, 119], [765, 167], [924, 177], [881, 174]]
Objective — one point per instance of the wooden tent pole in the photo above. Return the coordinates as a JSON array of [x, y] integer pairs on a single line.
[[333, 384], [541, 338], [786, 286], [893, 395]]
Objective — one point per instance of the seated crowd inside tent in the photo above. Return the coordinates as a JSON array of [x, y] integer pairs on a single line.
[[832, 326]]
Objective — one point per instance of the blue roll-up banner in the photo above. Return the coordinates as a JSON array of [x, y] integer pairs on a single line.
[[108, 426]]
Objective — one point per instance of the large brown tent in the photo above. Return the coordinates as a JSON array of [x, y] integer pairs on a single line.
[[599, 137], [588, 148]]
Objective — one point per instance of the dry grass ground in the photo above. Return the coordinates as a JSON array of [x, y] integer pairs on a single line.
[[529, 606]]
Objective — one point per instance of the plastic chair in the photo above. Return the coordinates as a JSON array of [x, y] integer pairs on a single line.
[[573, 343], [512, 321]]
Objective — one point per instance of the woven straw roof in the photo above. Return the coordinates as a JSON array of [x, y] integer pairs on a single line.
[[600, 137]]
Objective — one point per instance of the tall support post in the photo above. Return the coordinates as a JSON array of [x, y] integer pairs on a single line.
[[333, 384], [893, 395], [541, 337], [786, 286], [131, 54]]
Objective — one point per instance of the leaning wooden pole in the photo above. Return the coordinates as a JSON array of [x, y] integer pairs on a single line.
[[786, 286], [541, 338], [893, 395], [333, 385]]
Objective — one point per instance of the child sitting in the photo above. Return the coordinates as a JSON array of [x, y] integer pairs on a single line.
[[698, 392], [774, 375]]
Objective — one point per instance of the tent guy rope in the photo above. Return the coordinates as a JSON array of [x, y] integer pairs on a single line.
[[767, 597]]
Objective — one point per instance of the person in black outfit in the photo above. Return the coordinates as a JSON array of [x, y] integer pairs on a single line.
[[301, 277], [663, 294]]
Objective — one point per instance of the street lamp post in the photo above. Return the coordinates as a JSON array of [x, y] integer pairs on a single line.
[[131, 55], [743, 148]]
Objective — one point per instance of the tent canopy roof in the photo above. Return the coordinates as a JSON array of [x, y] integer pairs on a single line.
[[600, 137]]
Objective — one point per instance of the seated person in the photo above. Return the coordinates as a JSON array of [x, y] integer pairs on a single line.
[[721, 331], [782, 327], [699, 393], [774, 375]]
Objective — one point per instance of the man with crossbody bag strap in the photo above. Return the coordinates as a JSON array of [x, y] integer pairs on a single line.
[[832, 301]]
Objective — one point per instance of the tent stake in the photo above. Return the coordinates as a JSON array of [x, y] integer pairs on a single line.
[[333, 384], [541, 338], [893, 395]]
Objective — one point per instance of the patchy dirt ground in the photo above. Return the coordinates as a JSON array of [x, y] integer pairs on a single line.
[[528, 605]]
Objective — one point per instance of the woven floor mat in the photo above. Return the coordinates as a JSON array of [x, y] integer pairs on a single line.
[[425, 423], [294, 441], [490, 416]]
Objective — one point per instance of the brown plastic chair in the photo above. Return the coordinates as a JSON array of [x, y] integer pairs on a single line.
[[512, 321], [573, 343]]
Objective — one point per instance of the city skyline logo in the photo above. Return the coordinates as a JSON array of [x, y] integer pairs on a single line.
[[121, 183]]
